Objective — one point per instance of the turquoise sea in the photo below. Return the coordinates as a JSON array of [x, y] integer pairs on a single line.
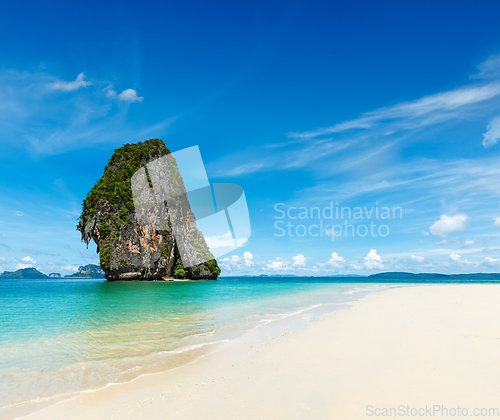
[[59, 337]]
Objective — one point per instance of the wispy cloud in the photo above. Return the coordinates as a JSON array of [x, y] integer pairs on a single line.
[[489, 69], [110, 92], [376, 134], [404, 182], [424, 111], [78, 83], [33, 117], [285, 160], [492, 135], [33, 251]]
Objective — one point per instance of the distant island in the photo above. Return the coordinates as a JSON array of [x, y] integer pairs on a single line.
[[23, 273], [401, 275], [392, 275], [293, 275], [88, 271], [94, 271]]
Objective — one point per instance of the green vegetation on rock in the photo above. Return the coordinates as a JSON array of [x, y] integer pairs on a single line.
[[179, 269], [114, 189], [127, 250]]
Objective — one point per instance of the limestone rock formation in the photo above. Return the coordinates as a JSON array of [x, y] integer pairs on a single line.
[[127, 249], [88, 271]]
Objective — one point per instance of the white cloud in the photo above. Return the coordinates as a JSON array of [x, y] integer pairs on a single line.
[[18, 213], [110, 92], [2, 260], [463, 243], [234, 262], [220, 241], [458, 259], [248, 257], [232, 258], [355, 266], [30, 262], [448, 224], [278, 265], [69, 86], [130, 95], [71, 268], [336, 260], [496, 222], [491, 262], [373, 260], [418, 258], [299, 260], [489, 69], [490, 138], [488, 249], [20, 266]]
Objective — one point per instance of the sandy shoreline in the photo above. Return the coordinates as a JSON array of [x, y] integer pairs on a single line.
[[412, 347]]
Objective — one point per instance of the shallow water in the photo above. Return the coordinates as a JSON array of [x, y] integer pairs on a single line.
[[62, 336]]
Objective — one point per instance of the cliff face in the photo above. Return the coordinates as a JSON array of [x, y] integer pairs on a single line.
[[90, 270], [130, 250]]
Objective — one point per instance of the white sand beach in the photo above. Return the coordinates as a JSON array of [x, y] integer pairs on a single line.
[[403, 348]]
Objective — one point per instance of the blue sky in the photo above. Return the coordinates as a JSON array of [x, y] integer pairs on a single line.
[[370, 105]]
